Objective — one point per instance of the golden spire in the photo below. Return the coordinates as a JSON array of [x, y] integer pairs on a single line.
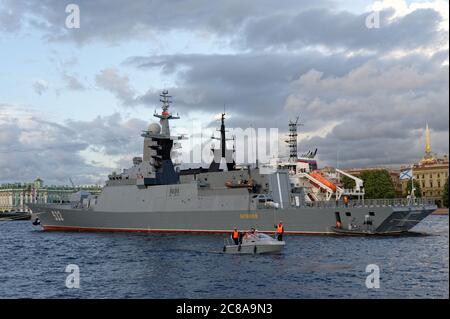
[[427, 141]]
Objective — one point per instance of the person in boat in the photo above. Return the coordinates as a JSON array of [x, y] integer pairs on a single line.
[[280, 231], [251, 233], [235, 236]]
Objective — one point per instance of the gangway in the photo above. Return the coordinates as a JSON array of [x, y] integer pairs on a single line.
[[311, 197]]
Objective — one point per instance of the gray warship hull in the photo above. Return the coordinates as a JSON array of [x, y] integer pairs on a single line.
[[305, 220]]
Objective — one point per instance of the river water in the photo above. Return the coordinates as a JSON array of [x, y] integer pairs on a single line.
[[130, 265]]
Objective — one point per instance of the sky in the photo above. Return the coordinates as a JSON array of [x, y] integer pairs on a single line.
[[73, 101]]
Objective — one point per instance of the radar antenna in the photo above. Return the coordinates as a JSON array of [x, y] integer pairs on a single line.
[[165, 115]]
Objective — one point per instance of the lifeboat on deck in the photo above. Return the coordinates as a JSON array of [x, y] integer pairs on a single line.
[[240, 184], [319, 176]]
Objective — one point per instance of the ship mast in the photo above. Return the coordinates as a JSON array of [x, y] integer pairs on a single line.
[[165, 115], [223, 139], [292, 140], [225, 161]]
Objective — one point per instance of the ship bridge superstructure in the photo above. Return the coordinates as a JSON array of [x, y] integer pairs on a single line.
[[155, 167]]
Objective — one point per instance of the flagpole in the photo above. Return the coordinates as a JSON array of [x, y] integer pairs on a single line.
[[413, 196]]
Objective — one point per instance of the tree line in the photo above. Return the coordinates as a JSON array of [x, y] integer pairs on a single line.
[[378, 184]]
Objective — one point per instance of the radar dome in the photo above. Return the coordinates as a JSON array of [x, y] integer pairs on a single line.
[[154, 128]]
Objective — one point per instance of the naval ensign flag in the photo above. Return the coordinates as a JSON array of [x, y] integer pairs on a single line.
[[407, 174]]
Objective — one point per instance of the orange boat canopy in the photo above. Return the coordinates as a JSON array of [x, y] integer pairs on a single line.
[[318, 176]]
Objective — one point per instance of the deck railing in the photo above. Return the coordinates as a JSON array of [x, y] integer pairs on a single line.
[[396, 202]]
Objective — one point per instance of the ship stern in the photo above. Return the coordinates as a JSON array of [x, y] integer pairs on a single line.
[[403, 219]]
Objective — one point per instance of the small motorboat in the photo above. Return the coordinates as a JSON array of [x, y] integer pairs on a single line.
[[351, 232], [254, 243], [358, 232]]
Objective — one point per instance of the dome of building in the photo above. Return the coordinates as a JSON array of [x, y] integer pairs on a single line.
[[154, 128]]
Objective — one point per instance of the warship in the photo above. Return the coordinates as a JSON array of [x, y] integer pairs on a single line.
[[154, 195]]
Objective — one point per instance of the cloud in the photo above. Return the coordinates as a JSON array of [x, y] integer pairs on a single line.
[[402, 8], [343, 30], [40, 86], [255, 25], [373, 108], [86, 151], [11, 15], [111, 135], [113, 20], [362, 94], [72, 82], [378, 112], [110, 80], [254, 85], [31, 146]]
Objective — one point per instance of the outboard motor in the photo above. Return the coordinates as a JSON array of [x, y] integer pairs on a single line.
[[37, 222]]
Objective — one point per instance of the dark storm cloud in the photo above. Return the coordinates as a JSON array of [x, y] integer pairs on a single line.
[[249, 84], [114, 20], [375, 114], [111, 135], [353, 154], [373, 109], [31, 146], [343, 30], [252, 25], [362, 94]]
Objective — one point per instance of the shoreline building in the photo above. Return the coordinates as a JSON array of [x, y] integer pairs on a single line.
[[16, 196], [431, 172]]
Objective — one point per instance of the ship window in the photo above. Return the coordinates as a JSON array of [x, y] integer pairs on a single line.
[[371, 214], [348, 214]]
